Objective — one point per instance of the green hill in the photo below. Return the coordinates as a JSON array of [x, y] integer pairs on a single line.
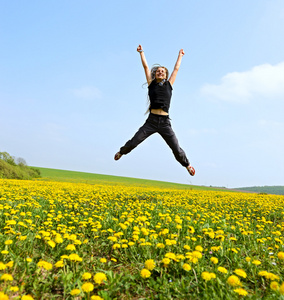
[[91, 178], [11, 168], [276, 190]]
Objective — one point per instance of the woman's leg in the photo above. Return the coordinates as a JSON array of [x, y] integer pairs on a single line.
[[145, 131], [169, 136]]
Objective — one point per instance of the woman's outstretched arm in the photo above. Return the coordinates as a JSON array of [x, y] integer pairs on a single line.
[[144, 64], [176, 68]]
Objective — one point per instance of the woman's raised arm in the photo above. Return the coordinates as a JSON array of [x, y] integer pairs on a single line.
[[144, 64], [176, 68]]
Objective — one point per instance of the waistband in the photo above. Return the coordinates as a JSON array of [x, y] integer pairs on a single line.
[[162, 116]]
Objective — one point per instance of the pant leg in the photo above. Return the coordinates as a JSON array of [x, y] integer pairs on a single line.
[[167, 133], [143, 132]]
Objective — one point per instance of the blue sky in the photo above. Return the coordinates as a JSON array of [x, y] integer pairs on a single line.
[[71, 87]]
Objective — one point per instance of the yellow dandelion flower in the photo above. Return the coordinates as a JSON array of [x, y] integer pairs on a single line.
[[96, 298], [5, 252], [10, 264], [215, 249], [87, 287], [214, 260], [58, 239], [116, 246], [169, 242], [8, 242], [199, 248], [3, 296], [6, 277], [241, 273], [186, 267], [27, 297], [145, 273], [207, 276], [171, 255], [28, 259], [2, 266], [281, 289], [180, 257], [112, 238], [59, 264], [222, 270], [160, 245], [194, 260], [166, 261], [211, 235], [280, 255], [52, 244], [256, 262], [150, 264], [103, 260], [234, 250], [271, 276], [86, 276], [45, 265], [274, 285], [70, 247], [241, 292], [197, 254], [75, 292], [99, 278], [262, 273], [11, 222], [75, 257], [233, 280], [248, 259], [13, 289]]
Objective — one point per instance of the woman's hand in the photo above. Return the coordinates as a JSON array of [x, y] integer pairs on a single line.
[[181, 52], [139, 48]]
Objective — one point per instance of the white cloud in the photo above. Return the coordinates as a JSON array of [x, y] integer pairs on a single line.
[[265, 81], [87, 92]]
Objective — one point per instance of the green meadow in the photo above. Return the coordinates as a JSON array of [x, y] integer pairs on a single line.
[[92, 178], [82, 236]]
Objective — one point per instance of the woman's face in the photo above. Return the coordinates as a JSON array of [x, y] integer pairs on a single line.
[[161, 74]]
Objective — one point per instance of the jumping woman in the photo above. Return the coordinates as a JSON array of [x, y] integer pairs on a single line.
[[160, 93]]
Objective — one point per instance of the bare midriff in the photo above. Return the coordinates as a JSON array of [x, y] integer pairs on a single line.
[[159, 111]]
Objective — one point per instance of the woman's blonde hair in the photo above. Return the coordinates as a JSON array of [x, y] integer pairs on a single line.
[[153, 76]]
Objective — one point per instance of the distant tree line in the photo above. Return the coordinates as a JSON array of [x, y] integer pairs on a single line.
[[16, 168], [276, 190]]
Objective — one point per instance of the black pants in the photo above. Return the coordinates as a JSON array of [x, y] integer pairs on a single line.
[[162, 125]]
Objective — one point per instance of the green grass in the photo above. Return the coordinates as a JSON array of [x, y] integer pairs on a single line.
[[91, 178]]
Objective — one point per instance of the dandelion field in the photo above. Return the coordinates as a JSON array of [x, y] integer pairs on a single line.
[[64, 240]]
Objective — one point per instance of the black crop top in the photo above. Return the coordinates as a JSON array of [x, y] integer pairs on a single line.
[[160, 95]]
